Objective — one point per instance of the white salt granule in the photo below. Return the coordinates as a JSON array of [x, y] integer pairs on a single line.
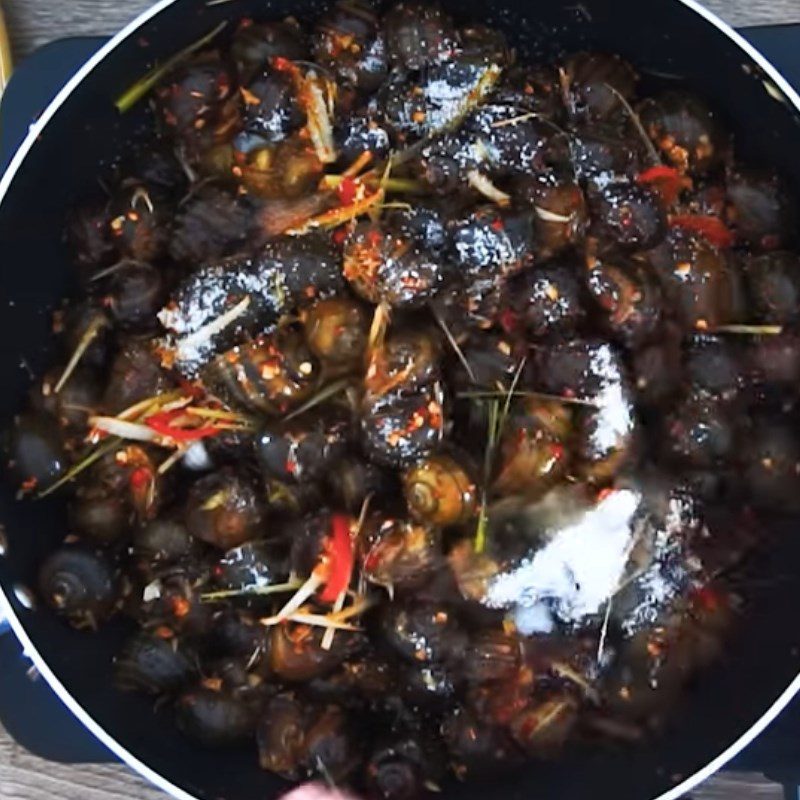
[[578, 570]]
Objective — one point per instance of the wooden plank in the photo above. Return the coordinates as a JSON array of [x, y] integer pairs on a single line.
[[34, 22]]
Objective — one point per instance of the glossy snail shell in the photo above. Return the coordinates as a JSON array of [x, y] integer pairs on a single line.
[[440, 492]]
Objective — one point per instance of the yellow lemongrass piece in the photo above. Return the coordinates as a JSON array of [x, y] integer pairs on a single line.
[[327, 638], [306, 590], [89, 335], [125, 430]]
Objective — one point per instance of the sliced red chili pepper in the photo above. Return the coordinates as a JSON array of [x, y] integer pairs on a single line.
[[667, 181], [340, 559], [161, 423], [140, 478], [347, 189], [711, 228]]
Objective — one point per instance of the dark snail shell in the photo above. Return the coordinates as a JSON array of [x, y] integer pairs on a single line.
[[352, 480], [336, 332], [270, 375], [332, 749], [255, 44], [136, 374], [423, 633], [224, 510], [385, 267], [216, 718], [439, 491], [398, 429], [302, 450], [151, 665], [251, 565], [78, 584], [281, 736], [398, 553], [296, 654], [534, 449], [163, 540], [686, 131], [37, 457]]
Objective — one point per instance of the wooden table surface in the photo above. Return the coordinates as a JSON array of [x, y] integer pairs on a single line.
[[25, 777]]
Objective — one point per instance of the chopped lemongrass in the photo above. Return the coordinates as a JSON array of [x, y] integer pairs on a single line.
[[315, 620], [550, 216], [358, 165], [327, 638], [220, 414], [650, 147], [149, 404], [319, 124], [498, 416], [142, 87], [113, 269], [481, 184], [305, 591], [488, 395], [753, 330], [174, 405], [325, 393], [403, 186], [185, 346], [250, 591], [215, 501], [504, 123], [454, 344], [142, 194], [125, 430], [81, 466], [380, 324], [339, 216], [170, 462], [357, 608], [89, 335], [564, 670]]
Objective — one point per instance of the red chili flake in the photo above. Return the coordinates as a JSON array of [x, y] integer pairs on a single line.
[[340, 557], [667, 181], [712, 229], [770, 242], [282, 64], [497, 224], [604, 494], [706, 598], [508, 320], [347, 190], [140, 478], [339, 235], [374, 237], [180, 607], [29, 484], [557, 451]]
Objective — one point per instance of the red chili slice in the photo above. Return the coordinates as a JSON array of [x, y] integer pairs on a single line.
[[667, 181], [347, 189], [161, 423], [341, 559], [711, 228]]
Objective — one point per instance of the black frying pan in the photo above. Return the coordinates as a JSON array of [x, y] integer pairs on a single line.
[[725, 707]]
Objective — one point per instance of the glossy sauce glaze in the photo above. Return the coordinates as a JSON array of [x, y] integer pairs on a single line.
[[418, 402]]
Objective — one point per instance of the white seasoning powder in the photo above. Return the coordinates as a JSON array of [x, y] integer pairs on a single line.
[[578, 570]]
